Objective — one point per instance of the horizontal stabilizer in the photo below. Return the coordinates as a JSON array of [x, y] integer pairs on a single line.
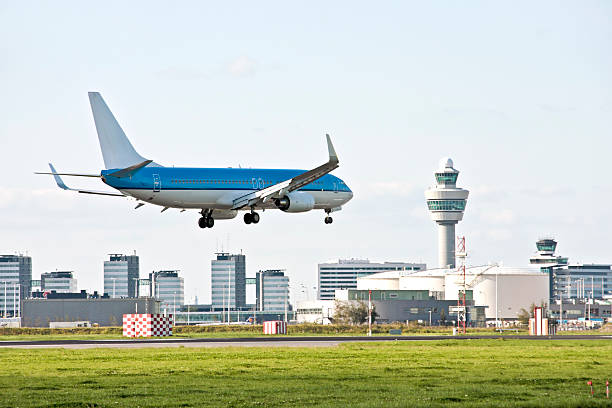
[[63, 186]]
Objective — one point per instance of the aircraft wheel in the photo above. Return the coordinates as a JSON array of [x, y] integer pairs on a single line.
[[247, 218], [329, 220], [202, 223], [210, 222], [254, 218]]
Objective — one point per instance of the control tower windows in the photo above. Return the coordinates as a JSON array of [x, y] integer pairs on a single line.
[[446, 205], [446, 178]]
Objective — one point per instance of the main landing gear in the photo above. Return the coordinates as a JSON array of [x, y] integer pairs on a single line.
[[251, 218], [207, 221], [328, 219]]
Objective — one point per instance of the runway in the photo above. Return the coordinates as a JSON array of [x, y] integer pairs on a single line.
[[281, 341]]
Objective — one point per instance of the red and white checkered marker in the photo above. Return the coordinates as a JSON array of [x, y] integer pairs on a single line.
[[275, 327], [147, 325]]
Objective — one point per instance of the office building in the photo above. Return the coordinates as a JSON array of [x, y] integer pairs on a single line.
[[571, 280], [344, 273], [272, 290], [228, 281], [15, 283], [446, 204], [121, 275], [169, 288], [60, 282]]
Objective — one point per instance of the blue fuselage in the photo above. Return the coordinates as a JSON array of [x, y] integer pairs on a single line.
[[218, 188]]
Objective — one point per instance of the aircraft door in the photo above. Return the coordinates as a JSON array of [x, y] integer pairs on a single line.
[[156, 183], [335, 186]]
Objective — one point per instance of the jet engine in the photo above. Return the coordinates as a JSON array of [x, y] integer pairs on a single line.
[[295, 202]]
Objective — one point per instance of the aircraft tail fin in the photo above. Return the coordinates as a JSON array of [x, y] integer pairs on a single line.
[[117, 151]]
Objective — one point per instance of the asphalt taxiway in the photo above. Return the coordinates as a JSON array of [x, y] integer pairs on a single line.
[[280, 341]]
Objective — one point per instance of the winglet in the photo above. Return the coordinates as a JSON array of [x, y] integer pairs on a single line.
[[333, 157], [58, 179]]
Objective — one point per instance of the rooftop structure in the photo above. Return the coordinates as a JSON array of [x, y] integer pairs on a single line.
[[446, 204], [546, 254]]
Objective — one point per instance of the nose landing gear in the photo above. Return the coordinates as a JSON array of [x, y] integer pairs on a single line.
[[328, 219]]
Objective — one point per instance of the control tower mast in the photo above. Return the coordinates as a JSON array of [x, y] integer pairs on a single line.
[[446, 204]]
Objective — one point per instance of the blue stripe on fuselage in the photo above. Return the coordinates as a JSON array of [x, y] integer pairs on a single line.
[[183, 178]]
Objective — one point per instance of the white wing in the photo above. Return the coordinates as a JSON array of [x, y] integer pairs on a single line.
[[280, 189]]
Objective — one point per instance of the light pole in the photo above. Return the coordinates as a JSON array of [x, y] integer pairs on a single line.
[[137, 286], [429, 317], [369, 312], [174, 305], [286, 296], [4, 313], [229, 291], [113, 279], [496, 303]]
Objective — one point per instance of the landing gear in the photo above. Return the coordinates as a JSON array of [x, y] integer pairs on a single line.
[[207, 221], [251, 218], [328, 219]]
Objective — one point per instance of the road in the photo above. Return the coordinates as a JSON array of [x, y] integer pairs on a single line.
[[305, 341]]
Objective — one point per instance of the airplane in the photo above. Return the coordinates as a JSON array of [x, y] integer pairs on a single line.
[[218, 193]]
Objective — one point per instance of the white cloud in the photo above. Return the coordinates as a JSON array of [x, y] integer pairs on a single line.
[[242, 66]]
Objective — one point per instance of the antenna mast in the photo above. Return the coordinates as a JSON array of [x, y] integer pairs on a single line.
[[461, 254]]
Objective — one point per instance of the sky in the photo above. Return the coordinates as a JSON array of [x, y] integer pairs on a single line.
[[517, 93]]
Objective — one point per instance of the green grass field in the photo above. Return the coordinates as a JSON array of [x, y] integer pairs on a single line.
[[499, 373]]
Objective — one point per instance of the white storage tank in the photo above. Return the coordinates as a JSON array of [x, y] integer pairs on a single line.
[[379, 281], [503, 289], [432, 280]]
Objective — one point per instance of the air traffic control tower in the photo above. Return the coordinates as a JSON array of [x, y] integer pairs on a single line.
[[446, 204]]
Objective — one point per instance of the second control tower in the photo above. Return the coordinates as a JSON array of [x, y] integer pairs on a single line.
[[446, 204]]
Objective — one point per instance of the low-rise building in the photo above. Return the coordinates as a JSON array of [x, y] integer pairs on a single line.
[[103, 311], [315, 311], [413, 305]]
